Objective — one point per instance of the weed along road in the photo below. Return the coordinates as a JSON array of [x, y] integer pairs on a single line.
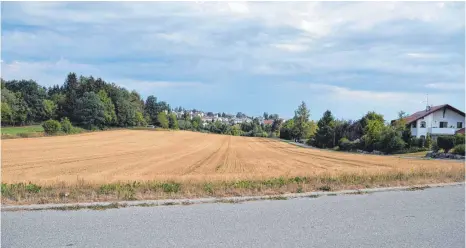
[[432, 217]]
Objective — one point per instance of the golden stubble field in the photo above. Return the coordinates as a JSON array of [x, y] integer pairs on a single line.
[[129, 155]]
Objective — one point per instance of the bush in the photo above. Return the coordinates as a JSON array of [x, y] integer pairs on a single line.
[[390, 141], [459, 139], [428, 143], [435, 147], [51, 127], [446, 142], [344, 144], [66, 126], [410, 150], [459, 149]]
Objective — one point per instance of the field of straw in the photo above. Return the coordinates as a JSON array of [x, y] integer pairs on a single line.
[[137, 155]]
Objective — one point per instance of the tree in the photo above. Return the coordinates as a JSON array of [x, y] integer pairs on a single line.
[[276, 125], [140, 120], [186, 116], [151, 108], [172, 121], [373, 133], [49, 108], [273, 117], [7, 113], [162, 120], [325, 135], [109, 108], [286, 131], [196, 122], [240, 115], [390, 140], [90, 111], [33, 96], [70, 88], [184, 125], [371, 116], [301, 119], [312, 129], [266, 116]]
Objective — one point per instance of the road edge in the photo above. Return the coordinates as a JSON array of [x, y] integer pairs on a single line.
[[235, 199]]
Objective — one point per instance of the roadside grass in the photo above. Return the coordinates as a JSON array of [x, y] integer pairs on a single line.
[[82, 191]]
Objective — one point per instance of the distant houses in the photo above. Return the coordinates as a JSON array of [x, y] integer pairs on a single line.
[[213, 117]]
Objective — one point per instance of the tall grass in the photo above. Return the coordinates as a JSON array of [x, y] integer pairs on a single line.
[[81, 191]]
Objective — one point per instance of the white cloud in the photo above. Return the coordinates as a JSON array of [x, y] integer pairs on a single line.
[[291, 47], [238, 7], [159, 84], [446, 86], [422, 55], [172, 44]]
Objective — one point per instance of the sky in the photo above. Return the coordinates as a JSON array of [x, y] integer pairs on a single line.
[[252, 57]]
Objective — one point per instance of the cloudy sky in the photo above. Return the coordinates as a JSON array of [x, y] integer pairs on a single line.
[[348, 57]]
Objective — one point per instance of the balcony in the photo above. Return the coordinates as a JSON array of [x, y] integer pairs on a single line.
[[442, 131]]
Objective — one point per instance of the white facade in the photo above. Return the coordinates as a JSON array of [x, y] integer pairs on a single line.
[[438, 123]]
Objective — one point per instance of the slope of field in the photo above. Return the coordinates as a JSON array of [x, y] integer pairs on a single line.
[[178, 155]]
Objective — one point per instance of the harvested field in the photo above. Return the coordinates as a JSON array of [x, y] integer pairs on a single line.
[[129, 155]]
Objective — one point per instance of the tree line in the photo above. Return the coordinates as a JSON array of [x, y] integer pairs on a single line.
[[369, 133], [92, 103], [87, 102]]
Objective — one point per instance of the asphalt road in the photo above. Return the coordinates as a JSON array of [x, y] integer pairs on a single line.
[[424, 218]]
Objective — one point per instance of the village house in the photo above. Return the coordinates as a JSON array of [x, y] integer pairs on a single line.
[[436, 120]]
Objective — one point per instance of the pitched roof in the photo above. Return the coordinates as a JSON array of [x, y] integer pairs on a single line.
[[419, 114], [460, 131], [268, 122]]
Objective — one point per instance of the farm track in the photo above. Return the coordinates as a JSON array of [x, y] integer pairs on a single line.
[[179, 155]]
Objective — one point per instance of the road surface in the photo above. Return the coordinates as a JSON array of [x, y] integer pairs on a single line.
[[424, 218]]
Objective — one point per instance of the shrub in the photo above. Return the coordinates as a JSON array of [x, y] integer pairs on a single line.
[[435, 147], [51, 127], [459, 139], [344, 144], [390, 141], [66, 126], [428, 143], [446, 142], [459, 149]]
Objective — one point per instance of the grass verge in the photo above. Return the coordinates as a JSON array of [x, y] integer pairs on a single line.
[[30, 193]]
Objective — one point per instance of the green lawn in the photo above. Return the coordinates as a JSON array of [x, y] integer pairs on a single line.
[[24, 129]]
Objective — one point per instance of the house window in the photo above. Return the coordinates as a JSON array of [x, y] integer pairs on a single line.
[[414, 125], [423, 124], [443, 124], [459, 125]]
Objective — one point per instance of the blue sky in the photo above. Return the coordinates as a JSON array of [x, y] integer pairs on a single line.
[[348, 57]]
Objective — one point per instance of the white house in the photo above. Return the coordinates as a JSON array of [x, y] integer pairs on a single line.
[[436, 120]]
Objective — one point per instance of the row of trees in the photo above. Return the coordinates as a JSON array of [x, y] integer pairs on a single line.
[[85, 101], [253, 129], [368, 133], [95, 104]]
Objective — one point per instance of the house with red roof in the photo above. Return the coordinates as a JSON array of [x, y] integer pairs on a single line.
[[436, 120]]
